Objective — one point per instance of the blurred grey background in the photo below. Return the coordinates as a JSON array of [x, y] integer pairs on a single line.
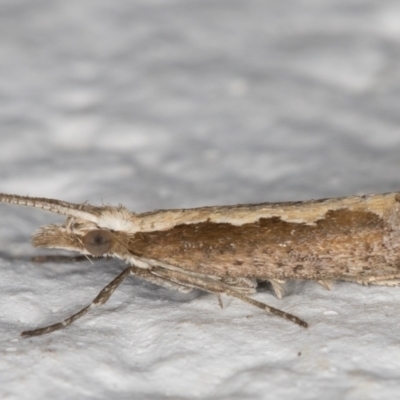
[[188, 102]]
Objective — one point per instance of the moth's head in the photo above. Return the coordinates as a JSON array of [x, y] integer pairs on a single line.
[[79, 235], [91, 230]]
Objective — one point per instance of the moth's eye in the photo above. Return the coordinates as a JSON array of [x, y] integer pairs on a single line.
[[97, 242]]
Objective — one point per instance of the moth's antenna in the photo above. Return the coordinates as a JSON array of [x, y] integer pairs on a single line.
[[83, 211]]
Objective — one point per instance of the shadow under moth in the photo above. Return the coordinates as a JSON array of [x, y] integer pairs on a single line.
[[230, 249]]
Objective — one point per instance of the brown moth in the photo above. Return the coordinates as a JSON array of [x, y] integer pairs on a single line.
[[230, 249]]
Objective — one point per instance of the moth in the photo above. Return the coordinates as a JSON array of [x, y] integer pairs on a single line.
[[231, 249]]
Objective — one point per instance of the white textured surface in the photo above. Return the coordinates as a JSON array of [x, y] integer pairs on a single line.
[[160, 104]]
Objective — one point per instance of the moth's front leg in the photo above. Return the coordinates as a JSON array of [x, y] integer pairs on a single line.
[[60, 259], [101, 298], [105, 294]]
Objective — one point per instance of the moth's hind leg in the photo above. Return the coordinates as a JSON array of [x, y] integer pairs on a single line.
[[215, 286], [386, 282]]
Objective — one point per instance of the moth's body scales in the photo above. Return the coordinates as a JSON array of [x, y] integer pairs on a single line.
[[227, 249], [274, 249]]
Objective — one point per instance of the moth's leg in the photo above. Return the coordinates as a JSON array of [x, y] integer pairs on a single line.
[[387, 282], [241, 284], [279, 287], [391, 280], [158, 280], [49, 258], [214, 286], [166, 282], [248, 286], [220, 303], [101, 298], [326, 284]]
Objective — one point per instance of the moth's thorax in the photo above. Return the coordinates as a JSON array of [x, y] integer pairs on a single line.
[[118, 219]]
